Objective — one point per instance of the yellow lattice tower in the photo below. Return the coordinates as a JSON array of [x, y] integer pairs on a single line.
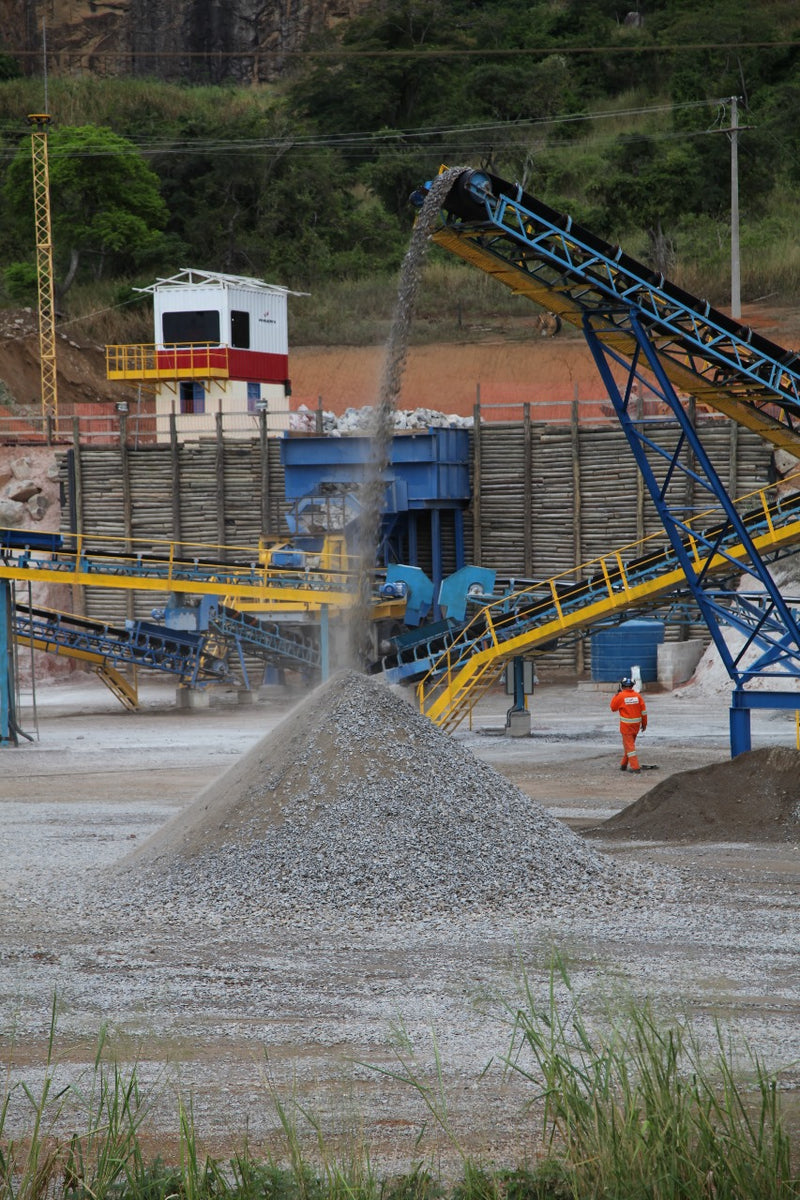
[[44, 263]]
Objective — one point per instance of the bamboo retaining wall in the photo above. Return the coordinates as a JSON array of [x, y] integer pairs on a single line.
[[545, 498]]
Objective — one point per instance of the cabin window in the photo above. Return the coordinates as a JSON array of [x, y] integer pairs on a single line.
[[198, 328], [253, 397], [240, 329], [192, 396]]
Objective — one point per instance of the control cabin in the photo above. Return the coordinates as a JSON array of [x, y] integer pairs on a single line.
[[220, 345]]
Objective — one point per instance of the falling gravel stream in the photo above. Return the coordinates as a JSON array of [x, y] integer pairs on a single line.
[[381, 427]]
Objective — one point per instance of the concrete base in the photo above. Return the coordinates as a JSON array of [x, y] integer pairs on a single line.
[[677, 661], [245, 696], [518, 724], [602, 685], [190, 698]]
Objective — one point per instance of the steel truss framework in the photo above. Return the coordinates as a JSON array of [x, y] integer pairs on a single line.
[[268, 641], [770, 626], [658, 333], [44, 263]]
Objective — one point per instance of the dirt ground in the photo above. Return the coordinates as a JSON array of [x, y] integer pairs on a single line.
[[507, 365], [80, 364], [219, 1017]]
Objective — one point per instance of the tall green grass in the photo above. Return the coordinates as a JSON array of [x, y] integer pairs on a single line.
[[455, 304], [628, 1109], [41, 1158], [135, 107], [642, 1109]]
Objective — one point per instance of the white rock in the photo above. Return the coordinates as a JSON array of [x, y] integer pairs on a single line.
[[11, 512]]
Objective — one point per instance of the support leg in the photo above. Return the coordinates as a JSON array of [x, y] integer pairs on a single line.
[[739, 726], [7, 681], [324, 643], [518, 718]]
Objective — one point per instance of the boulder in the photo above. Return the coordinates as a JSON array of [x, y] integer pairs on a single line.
[[11, 512], [21, 467], [37, 506], [22, 491]]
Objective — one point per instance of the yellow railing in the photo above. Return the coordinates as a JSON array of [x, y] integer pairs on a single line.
[[445, 694], [160, 565], [185, 360]]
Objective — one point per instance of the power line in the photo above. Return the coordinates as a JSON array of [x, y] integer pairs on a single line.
[[337, 53], [369, 140]]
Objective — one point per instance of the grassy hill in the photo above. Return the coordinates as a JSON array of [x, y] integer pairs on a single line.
[[305, 181]]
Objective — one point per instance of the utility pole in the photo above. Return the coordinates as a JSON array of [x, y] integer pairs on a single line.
[[736, 299]]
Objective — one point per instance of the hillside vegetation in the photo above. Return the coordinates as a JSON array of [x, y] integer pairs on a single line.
[[619, 117]]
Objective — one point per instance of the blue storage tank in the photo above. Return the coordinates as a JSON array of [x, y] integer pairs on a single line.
[[634, 643]]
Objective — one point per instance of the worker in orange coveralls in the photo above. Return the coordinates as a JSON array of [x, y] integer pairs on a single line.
[[632, 717]]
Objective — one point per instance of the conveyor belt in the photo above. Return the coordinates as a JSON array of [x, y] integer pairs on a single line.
[[541, 253], [268, 640], [116, 567], [106, 648]]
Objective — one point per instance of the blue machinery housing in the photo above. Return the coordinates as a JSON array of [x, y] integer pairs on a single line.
[[427, 490]]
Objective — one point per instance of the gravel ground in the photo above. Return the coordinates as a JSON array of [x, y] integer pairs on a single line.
[[219, 1004]]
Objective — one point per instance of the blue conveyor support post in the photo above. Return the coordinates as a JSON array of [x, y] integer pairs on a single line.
[[242, 663], [324, 643], [739, 723], [780, 634], [6, 681], [743, 703]]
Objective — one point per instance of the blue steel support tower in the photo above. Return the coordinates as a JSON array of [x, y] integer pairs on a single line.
[[669, 340]]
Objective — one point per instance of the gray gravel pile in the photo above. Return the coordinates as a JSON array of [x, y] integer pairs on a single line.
[[357, 803]]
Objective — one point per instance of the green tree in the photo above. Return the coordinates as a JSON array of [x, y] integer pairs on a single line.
[[649, 186], [388, 75], [106, 208], [257, 196]]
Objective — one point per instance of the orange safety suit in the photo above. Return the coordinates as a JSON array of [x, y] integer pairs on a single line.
[[632, 717]]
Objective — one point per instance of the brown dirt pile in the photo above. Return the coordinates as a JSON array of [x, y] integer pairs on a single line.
[[752, 798], [80, 363]]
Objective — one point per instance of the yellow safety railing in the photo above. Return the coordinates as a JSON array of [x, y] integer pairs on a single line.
[[161, 565], [464, 670], [185, 360]]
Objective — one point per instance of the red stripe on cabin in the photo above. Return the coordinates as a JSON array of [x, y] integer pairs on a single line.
[[255, 366]]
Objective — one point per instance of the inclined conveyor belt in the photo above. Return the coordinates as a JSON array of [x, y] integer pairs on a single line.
[[457, 667], [267, 640], [617, 581], [141, 644], [543, 254]]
